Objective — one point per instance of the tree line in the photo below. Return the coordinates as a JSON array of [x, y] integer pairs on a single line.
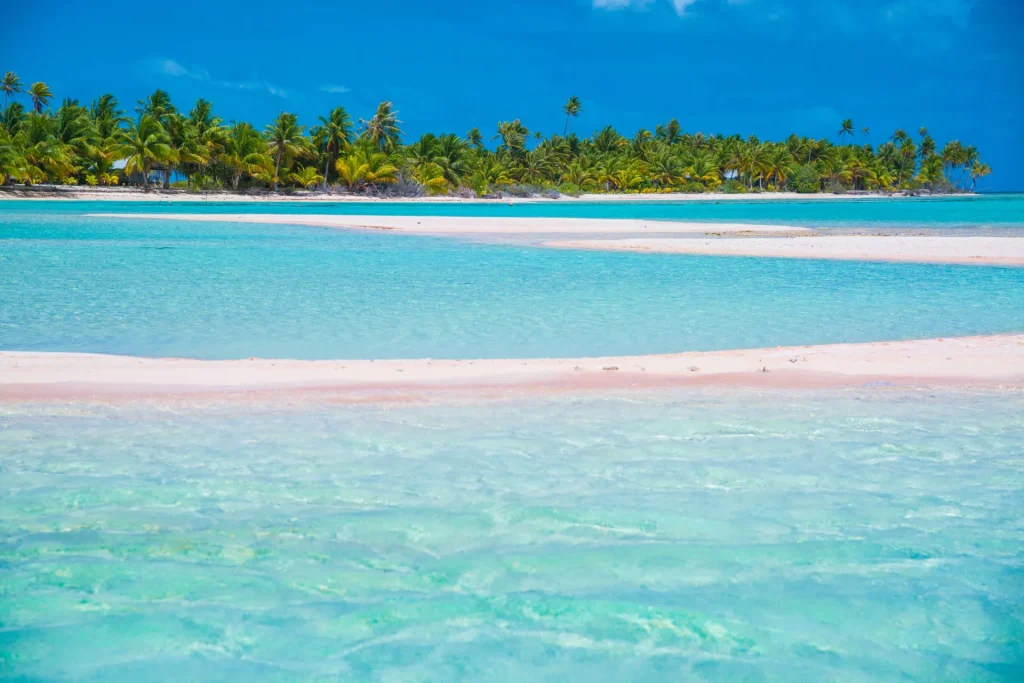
[[101, 144]]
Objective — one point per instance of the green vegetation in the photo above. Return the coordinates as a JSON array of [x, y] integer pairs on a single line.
[[72, 144]]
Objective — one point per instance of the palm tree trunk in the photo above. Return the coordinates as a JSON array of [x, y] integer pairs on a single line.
[[238, 179], [145, 178], [277, 169], [326, 168]]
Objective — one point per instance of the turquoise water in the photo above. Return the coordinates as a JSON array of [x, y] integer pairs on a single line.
[[855, 536], [998, 213], [208, 290], [865, 535]]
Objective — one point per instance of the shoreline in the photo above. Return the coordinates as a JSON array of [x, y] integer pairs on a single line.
[[164, 196], [731, 239], [977, 361]]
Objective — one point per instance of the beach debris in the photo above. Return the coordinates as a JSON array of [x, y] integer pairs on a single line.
[[610, 368], [764, 368], [793, 360], [693, 368], [578, 369]]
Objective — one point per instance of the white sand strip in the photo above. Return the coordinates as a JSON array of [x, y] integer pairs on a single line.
[[972, 250], [997, 359], [457, 225], [744, 239]]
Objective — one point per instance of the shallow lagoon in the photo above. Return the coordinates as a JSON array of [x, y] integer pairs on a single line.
[[208, 290], [870, 535]]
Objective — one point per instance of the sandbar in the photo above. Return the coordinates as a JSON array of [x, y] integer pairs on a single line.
[[475, 226], [722, 239], [970, 250], [993, 360]]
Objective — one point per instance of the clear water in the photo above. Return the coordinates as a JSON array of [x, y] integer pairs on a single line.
[[854, 536], [207, 290], [996, 213]]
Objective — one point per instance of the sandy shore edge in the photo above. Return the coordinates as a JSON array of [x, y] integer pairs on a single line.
[[962, 361]]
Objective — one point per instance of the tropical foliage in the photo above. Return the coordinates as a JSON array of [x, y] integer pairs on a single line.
[[100, 144]]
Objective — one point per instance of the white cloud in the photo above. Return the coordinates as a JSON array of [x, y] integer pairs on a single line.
[[334, 89], [621, 4], [681, 5], [170, 67], [173, 68]]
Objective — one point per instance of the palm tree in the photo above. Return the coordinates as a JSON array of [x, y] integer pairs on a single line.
[[143, 143], [70, 143], [244, 151], [475, 139], [608, 140], [908, 155], [572, 108], [284, 141], [978, 170], [703, 170], [306, 177], [382, 129], [513, 137], [333, 136], [846, 129], [670, 132], [106, 117], [158, 105], [41, 95], [365, 166], [931, 173], [489, 174], [11, 85]]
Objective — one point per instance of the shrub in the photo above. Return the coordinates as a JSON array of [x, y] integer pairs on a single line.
[[405, 186], [91, 181], [693, 187], [521, 191], [570, 189], [733, 186], [805, 180]]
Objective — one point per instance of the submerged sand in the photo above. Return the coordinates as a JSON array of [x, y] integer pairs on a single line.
[[968, 361]]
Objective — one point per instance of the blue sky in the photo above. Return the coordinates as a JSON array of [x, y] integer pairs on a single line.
[[766, 67]]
